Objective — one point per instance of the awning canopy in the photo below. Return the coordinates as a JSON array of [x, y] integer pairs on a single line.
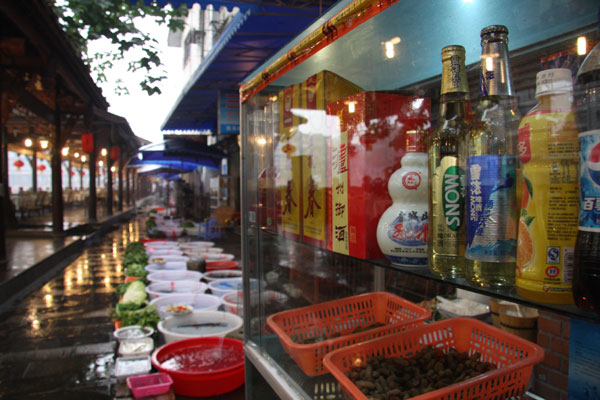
[[257, 32], [181, 154]]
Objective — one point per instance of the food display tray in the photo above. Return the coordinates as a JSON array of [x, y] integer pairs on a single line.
[[342, 322], [513, 356]]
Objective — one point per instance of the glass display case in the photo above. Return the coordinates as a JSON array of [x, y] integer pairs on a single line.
[[327, 121]]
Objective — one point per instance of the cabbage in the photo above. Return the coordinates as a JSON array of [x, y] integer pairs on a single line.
[[135, 293]]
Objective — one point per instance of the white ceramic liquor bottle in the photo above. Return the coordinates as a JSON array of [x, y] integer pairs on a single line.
[[403, 228]]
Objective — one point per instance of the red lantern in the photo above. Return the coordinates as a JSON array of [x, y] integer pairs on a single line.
[[87, 142], [72, 173], [82, 173], [41, 168], [114, 153], [18, 164]]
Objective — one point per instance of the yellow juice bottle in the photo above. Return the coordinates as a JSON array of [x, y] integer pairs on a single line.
[[548, 148]]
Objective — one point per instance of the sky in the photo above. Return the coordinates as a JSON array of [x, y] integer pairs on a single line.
[[144, 113]]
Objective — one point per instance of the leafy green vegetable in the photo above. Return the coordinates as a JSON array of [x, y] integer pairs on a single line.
[[121, 308], [136, 257], [147, 316], [135, 293], [150, 224], [136, 270], [135, 247], [121, 289], [188, 224]]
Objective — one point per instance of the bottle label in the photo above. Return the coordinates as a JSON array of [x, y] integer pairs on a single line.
[[589, 181], [550, 201], [491, 208], [447, 207], [409, 230]]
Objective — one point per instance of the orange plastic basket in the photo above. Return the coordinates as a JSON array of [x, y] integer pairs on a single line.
[[513, 356], [342, 318]]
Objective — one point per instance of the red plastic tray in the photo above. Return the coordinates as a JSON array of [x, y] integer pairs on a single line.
[[217, 265], [513, 356], [149, 385], [342, 317]]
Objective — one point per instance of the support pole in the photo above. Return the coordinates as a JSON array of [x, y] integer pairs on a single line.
[[92, 209], [56, 161], [120, 182]]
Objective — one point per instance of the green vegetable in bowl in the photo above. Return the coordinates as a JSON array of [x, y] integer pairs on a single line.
[[121, 289], [188, 224], [135, 293], [147, 316]]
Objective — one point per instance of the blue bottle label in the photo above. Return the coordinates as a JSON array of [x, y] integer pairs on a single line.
[[589, 181], [410, 230], [491, 211]]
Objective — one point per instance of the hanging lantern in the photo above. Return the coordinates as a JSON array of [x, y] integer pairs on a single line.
[[19, 164], [82, 173], [114, 153], [41, 168], [72, 173], [87, 142]]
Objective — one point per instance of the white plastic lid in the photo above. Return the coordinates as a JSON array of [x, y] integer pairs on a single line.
[[550, 81]]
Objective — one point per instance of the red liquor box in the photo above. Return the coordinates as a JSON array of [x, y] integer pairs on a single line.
[[288, 158], [317, 91], [367, 142]]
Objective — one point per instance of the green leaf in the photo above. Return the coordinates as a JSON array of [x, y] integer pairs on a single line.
[[529, 187], [529, 219]]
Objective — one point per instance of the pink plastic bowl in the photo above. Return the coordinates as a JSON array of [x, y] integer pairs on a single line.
[[202, 367]]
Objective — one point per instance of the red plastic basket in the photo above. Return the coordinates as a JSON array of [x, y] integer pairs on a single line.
[[513, 356], [152, 240], [342, 317]]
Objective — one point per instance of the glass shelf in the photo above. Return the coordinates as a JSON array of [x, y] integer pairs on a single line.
[[509, 294]]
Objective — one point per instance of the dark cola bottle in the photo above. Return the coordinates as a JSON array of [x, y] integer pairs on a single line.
[[586, 273]]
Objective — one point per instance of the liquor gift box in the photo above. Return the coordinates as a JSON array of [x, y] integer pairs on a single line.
[[367, 142], [269, 195], [288, 154], [318, 91]]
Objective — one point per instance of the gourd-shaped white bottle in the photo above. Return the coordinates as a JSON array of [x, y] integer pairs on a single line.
[[403, 228]]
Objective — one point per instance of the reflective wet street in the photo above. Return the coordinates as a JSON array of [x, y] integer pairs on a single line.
[[57, 343]]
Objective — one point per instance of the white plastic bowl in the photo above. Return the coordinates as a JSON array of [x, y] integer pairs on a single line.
[[167, 258], [163, 289], [169, 326], [198, 244], [199, 302], [152, 253], [234, 301], [210, 276], [162, 245], [217, 256], [133, 332], [219, 287], [168, 266], [213, 250], [175, 275]]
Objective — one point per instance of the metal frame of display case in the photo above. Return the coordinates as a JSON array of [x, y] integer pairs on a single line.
[[325, 45]]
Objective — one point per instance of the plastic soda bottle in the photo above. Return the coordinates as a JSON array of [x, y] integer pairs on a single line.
[[492, 170], [586, 274], [446, 250], [402, 231], [548, 151]]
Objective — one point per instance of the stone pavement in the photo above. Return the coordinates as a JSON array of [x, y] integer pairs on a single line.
[[57, 343]]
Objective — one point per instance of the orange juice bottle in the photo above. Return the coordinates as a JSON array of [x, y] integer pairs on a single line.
[[548, 148]]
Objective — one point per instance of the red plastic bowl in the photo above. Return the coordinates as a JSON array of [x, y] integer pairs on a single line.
[[197, 367], [152, 240], [216, 265]]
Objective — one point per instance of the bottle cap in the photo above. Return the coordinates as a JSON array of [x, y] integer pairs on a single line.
[[557, 80], [494, 33]]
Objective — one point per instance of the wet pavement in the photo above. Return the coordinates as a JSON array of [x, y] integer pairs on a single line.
[[57, 343]]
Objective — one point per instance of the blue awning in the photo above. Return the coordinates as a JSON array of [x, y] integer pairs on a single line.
[[182, 154], [256, 33]]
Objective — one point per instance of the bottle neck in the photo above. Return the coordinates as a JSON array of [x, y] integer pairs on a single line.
[[495, 70], [454, 106], [556, 101]]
